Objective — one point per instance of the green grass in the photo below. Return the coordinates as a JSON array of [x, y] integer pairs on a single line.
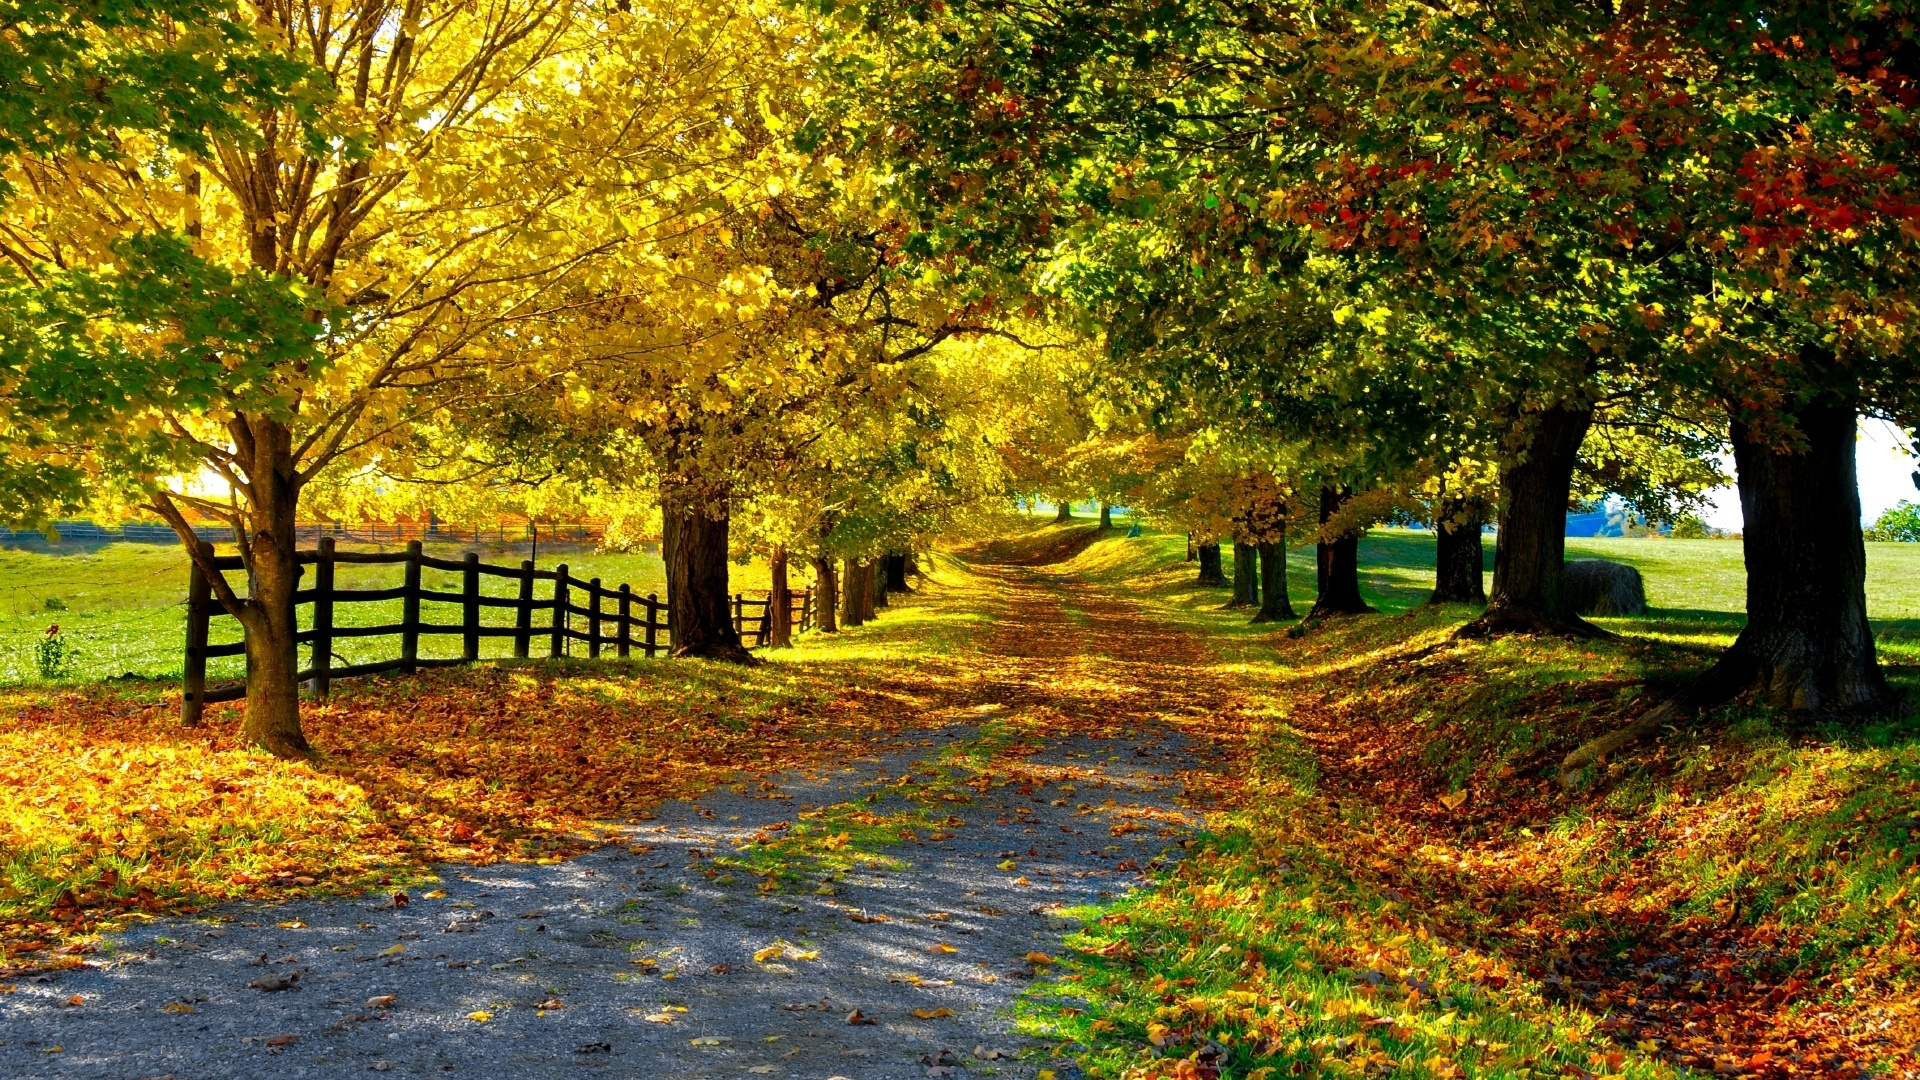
[[122, 606]]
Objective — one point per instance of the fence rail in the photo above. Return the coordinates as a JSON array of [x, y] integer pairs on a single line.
[[615, 618], [373, 532]]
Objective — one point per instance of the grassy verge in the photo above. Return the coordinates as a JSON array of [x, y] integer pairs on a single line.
[[110, 811], [1405, 888]]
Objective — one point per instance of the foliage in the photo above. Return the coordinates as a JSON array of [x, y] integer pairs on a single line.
[[1900, 523]]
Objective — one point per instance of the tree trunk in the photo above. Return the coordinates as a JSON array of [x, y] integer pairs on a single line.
[[1459, 559], [1210, 573], [1106, 516], [1275, 605], [1532, 545], [852, 611], [869, 591], [273, 573], [897, 573], [699, 606], [826, 598], [779, 601], [877, 572], [1807, 646], [1192, 554], [1064, 514], [1245, 591], [1337, 563]]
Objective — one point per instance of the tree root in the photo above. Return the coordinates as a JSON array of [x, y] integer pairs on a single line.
[[729, 653], [1721, 683], [1495, 622]]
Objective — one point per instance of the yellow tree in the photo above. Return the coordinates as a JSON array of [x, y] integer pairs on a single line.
[[418, 200]]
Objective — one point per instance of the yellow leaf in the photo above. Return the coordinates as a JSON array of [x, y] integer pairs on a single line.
[[932, 1014], [810, 954], [393, 950], [707, 1040], [771, 952], [1043, 1074], [1039, 958], [292, 924], [1007, 864], [437, 894], [1022, 880], [943, 947], [176, 1007], [1454, 801], [480, 1016]]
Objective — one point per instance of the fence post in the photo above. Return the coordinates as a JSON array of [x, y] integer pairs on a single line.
[[653, 615], [322, 683], [523, 613], [410, 611], [470, 608], [559, 647], [194, 682], [738, 598], [593, 620], [626, 620]]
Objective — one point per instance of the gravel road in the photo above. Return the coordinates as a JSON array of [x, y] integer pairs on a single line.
[[636, 960]]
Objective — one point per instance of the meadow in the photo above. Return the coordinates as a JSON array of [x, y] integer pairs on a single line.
[[121, 607]]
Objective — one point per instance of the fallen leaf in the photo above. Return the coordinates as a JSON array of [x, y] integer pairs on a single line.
[[176, 1007], [1006, 865], [437, 894], [479, 1016], [809, 954], [942, 947], [551, 1003], [76, 1001], [283, 1040], [708, 1040], [1040, 958], [384, 1001], [659, 1018], [771, 952], [393, 950], [933, 1014], [292, 924], [858, 1017], [763, 1070], [1454, 800], [275, 982]]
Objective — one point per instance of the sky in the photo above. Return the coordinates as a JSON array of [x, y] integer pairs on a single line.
[[1882, 454]]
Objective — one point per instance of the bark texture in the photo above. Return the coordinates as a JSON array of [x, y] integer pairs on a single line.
[[1531, 548], [1275, 606], [1064, 513], [779, 600], [699, 606], [826, 586], [1807, 647], [1106, 516], [273, 573], [1210, 571], [1459, 556], [853, 609], [1246, 588], [1337, 562]]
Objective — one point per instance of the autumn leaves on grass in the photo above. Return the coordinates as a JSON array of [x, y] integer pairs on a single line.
[[109, 810]]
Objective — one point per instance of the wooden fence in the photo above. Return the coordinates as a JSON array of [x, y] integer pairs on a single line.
[[615, 618]]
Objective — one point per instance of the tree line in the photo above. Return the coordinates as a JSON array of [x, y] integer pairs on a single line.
[[818, 281]]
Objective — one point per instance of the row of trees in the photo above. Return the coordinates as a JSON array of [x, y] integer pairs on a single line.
[[816, 280], [308, 255], [1473, 260]]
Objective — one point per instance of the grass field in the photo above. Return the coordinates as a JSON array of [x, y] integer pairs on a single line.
[[122, 607]]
